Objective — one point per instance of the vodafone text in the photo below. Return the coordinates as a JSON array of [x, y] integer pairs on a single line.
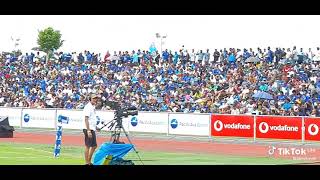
[[264, 128], [218, 126]]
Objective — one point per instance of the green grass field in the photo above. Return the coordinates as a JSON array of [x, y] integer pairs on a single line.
[[40, 154]]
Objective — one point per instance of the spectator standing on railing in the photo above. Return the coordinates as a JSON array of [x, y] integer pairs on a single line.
[[216, 56], [200, 57]]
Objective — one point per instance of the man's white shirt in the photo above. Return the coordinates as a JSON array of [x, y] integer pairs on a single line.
[[89, 110]]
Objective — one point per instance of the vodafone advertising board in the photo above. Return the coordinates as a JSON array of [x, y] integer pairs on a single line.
[[312, 128], [229, 125], [279, 127]]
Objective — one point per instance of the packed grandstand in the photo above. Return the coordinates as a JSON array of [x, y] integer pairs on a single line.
[[281, 81]]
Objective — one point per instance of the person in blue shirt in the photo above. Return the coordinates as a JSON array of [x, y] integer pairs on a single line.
[[80, 58], [245, 54], [144, 107], [287, 106], [26, 90], [165, 56], [135, 59], [67, 57], [281, 97], [43, 85], [175, 58], [26, 58], [89, 56], [31, 57], [69, 105], [270, 56], [231, 58], [164, 107]]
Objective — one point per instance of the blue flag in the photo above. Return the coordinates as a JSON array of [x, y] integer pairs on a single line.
[[152, 48]]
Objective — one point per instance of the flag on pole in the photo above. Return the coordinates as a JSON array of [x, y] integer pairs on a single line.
[[61, 120]]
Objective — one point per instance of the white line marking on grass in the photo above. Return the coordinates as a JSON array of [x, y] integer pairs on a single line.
[[63, 154], [39, 150], [18, 157]]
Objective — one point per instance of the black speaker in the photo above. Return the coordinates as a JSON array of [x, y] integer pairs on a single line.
[[6, 131], [4, 120]]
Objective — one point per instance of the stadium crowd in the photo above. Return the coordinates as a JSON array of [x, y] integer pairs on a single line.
[[223, 81]]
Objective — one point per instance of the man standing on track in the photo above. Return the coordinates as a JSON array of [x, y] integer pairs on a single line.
[[89, 128]]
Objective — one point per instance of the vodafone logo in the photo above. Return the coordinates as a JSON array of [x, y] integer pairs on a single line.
[[263, 127], [218, 126], [313, 129]]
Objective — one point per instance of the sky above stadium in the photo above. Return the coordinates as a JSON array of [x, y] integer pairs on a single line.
[[111, 32]]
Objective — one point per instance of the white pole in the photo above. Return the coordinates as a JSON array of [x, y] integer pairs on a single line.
[[303, 130], [161, 45], [21, 119], [254, 128], [210, 136], [160, 50], [55, 119], [168, 125]]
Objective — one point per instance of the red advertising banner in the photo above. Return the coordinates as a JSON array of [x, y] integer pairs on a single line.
[[231, 125], [312, 126], [279, 127]]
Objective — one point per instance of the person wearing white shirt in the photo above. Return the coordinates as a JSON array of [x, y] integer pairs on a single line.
[[317, 55], [75, 57], [238, 55], [288, 54], [235, 111], [310, 54], [192, 56], [250, 107], [89, 128]]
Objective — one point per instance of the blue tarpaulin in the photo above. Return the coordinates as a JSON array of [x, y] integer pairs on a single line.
[[262, 95], [116, 150]]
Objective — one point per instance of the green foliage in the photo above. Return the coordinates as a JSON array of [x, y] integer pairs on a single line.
[[49, 39]]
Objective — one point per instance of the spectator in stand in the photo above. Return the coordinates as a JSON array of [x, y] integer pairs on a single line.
[[200, 57], [216, 56]]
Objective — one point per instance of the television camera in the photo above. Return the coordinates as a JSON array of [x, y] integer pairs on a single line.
[[115, 125]]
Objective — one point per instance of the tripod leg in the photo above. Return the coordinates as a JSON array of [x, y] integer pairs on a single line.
[[131, 143], [126, 134], [113, 137], [118, 135]]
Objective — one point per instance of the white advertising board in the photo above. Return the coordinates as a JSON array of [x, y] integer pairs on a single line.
[[13, 114], [42, 118], [189, 124], [149, 122]]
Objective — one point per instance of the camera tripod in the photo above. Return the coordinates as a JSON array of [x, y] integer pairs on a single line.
[[115, 134]]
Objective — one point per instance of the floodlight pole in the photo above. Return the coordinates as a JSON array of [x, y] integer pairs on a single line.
[[161, 40]]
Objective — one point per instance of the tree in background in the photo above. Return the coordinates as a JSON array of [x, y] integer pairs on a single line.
[[49, 40]]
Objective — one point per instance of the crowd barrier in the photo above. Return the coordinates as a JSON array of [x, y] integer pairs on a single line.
[[194, 124]]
